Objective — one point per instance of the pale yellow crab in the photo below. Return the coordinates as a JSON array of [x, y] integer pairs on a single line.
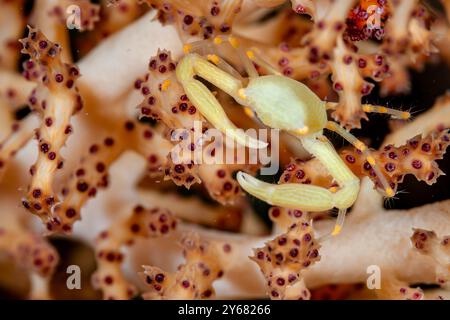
[[282, 103]]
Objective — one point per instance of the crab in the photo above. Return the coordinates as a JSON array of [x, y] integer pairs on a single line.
[[282, 103]]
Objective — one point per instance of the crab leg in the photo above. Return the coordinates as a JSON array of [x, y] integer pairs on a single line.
[[404, 115], [289, 195], [333, 126], [254, 57], [322, 149], [308, 197], [206, 102], [397, 114]]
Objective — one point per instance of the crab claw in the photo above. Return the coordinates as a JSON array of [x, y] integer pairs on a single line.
[[240, 137], [211, 109], [289, 195], [206, 102]]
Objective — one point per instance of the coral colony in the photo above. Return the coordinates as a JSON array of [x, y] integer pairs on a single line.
[[143, 131]]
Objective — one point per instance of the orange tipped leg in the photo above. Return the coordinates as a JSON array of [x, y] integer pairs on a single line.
[[333, 126], [404, 115], [253, 56], [397, 114], [337, 226]]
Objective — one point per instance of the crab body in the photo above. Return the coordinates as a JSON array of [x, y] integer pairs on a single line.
[[281, 102]]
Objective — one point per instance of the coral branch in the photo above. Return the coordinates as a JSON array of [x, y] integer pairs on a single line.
[[142, 223], [12, 22], [92, 172], [198, 18], [30, 252], [350, 84], [113, 18], [283, 259], [14, 89], [394, 289], [132, 46], [90, 176], [194, 210], [416, 157], [193, 279], [55, 17], [377, 239], [438, 117], [56, 98], [427, 243], [21, 132]]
